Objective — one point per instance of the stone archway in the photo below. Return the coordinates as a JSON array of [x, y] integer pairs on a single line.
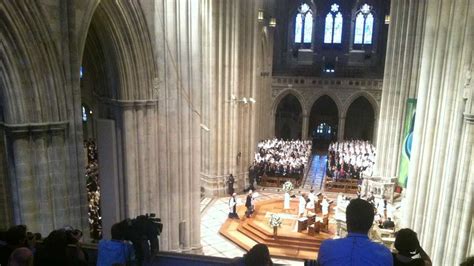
[[289, 118], [360, 120], [323, 122], [117, 83]]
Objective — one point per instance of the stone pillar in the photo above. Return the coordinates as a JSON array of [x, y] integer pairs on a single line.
[[438, 204], [340, 128], [400, 80], [178, 54], [231, 40], [304, 130], [41, 197]]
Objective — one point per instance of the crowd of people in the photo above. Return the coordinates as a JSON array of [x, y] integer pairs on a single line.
[[350, 159], [93, 189], [20, 247], [276, 157]]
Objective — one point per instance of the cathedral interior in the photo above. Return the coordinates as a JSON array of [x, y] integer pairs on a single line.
[[158, 101]]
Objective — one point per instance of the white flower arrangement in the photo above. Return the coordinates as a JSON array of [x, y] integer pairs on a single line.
[[287, 186], [275, 220]]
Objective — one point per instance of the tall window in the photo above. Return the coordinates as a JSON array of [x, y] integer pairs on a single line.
[[304, 26], [333, 28], [364, 25]]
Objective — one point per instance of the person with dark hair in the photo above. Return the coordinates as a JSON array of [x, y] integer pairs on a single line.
[[249, 204], [408, 246], [356, 248], [468, 262], [388, 224], [115, 251], [233, 207], [61, 247], [21, 257], [230, 184], [258, 255], [15, 238]]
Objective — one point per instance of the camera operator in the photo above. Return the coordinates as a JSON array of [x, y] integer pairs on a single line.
[[117, 250], [55, 250]]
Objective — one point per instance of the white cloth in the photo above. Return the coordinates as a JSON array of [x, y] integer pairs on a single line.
[[325, 207], [232, 203], [311, 198], [301, 206], [286, 201]]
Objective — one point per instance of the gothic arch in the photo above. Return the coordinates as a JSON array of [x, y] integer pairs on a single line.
[[289, 118], [328, 93], [121, 27], [283, 94], [30, 94], [366, 95], [324, 113]]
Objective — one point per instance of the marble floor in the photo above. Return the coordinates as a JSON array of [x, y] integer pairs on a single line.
[[213, 216]]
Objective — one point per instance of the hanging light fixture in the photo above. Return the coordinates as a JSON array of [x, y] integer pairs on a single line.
[[272, 23], [260, 16]]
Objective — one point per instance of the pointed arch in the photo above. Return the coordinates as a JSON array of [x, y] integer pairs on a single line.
[[28, 93], [121, 26], [324, 114], [289, 118], [283, 94], [366, 95], [360, 120]]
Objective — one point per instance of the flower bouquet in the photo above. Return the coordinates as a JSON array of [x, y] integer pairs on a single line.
[[287, 186], [275, 221]]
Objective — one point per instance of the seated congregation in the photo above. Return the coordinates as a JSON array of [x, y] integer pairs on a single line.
[[350, 159], [275, 157]]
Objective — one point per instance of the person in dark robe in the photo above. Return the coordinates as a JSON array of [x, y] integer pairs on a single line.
[[230, 184], [233, 207], [249, 204]]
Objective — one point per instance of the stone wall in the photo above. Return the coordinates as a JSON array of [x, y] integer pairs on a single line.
[[308, 90]]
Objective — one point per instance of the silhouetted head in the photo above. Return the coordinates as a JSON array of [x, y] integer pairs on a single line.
[[21, 257], [406, 242], [16, 235], [117, 231], [359, 216], [258, 255]]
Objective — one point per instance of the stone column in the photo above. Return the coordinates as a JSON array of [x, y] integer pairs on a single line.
[[400, 80], [438, 204], [41, 196], [304, 130], [340, 128]]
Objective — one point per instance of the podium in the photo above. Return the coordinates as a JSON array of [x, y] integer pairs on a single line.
[[302, 224]]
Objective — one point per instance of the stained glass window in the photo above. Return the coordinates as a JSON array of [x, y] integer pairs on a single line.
[[308, 27], [304, 25], [298, 28], [333, 27], [359, 29], [364, 25], [337, 28], [328, 29], [368, 29]]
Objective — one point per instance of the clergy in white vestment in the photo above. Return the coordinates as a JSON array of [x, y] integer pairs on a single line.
[[302, 205], [286, 201], [311, 200], [325, 206]]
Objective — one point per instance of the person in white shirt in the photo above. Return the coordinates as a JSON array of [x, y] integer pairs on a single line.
[[302, 205]]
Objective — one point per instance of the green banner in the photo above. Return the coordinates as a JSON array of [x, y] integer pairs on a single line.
[[407, 142]]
